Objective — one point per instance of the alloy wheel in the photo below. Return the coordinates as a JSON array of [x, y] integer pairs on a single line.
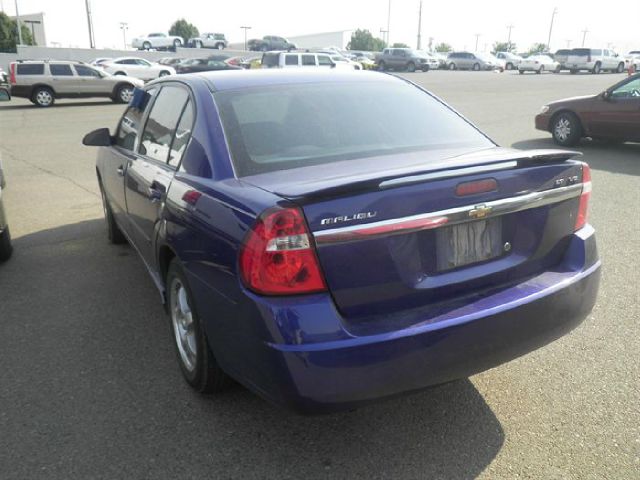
[[44, 98], [562, 129], [183, 324]]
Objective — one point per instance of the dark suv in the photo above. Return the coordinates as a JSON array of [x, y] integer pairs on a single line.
[[269, 43], [404, 59]]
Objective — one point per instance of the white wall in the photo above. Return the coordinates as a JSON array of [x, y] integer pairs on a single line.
[[322, 40]]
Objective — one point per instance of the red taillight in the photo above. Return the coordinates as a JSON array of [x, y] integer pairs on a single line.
[[583, 209], [12, 74], [475, 187], [278, 257]]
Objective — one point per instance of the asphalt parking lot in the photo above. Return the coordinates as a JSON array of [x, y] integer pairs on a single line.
[[90, 388]]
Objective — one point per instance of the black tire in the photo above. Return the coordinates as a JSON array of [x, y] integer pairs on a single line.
[[205, 376], [521, 72], [146, 46], [411, 67], [426, 68], [597, 68], [219, 46], [557, 70], [114, 234], [540, 70], [476, 67], [509, 66], [6, 249], [381, 66], [43, 97], [124, 93], [620, 68], [572, 132], [452, 66]]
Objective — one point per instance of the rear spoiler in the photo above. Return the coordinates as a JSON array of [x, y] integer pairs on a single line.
[[459, 166]]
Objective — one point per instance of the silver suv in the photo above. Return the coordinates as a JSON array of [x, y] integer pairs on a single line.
[[594, 60], [44, 81]]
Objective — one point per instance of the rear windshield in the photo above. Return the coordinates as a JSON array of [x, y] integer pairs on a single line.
[[30, 69], [288, 126]]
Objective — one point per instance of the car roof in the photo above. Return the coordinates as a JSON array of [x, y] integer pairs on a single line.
[[221, 81]]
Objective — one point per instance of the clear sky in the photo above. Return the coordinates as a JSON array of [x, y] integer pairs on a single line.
[[455, 22]]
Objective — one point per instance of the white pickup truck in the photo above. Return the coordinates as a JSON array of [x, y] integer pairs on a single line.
[[158, 41]]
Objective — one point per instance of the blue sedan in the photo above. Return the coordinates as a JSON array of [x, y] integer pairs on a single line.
[[329, 238]]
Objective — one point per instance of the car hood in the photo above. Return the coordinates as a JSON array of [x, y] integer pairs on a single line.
[[581, 100]]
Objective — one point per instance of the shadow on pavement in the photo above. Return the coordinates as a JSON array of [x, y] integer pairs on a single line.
[[616, 158], [91, 387]]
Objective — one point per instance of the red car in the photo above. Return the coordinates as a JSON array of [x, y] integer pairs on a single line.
[[611, 115]]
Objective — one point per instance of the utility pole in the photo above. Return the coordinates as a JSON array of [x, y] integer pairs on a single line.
[[385, 38], [388, 22], [245, 36], [90, 23], [584, 35], [124, 26], [419, 24], [509, 37], [555, 11], [477, 38], [18, 23]]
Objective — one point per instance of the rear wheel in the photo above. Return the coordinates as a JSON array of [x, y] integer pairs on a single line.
[[411, 67], [124, 94], [597, 68], [177, 43], [566, 129], [509, 66], [146, 46], [219, 46], [476, 67], [5, 245], [381, 66], [452, 66], [620, 68], [196, 360], [520, 71], [43, 97], [114, 234], [540, 70], [573, 72]]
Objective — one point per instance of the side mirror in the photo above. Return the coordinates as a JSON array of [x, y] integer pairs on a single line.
[[5, 96], [606, 95], [98, 138]]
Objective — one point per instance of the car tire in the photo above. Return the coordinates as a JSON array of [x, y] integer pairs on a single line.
[[411, 67], [540, 70], [620, 68], [426, 68], [597, 68], [573, 72], [164, 73], [146, 46], [197, 363], [381, 66], [43, 97], [509, 66], [521, 72], [124, 93], [452, 66], [219, 46], [476, 67], [6, 249], [566, 129], [264, 48], [114, 234]]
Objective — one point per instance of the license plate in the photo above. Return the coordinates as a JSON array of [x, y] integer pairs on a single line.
[[468, 243]]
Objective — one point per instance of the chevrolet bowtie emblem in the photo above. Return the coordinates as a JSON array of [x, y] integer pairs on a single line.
[[480, 211]]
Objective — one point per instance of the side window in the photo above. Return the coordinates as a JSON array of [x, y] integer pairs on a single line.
[[182, 135], [291, 59], [30, 69], [131, 122], [630, 89], [596, 52], [85, 71], [605, 53], [161, 123], [308, 60], [324, 60], [60, 69]]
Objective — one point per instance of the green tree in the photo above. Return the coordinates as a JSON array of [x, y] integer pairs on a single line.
[[364, 40], [443, 48], [185, 30], [400, 45], [537, 48], [504, 47], [9, 34]]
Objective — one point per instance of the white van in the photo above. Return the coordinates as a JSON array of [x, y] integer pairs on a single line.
[[301, 59]]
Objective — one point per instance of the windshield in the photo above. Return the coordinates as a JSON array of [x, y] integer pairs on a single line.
[[288, 126]]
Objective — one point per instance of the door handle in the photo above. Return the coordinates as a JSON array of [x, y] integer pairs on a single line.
[[120, 171], [157, 192]]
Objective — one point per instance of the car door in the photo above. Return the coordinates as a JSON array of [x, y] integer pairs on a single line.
[[91, 82], [618, 115], [151, 169], [63, 80], [114, 161]]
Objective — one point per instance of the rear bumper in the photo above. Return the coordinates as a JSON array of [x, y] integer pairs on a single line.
[[316, 363]]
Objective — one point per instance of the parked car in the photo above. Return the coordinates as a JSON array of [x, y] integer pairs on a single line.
[[295, 60], [490, 59], [594, 60], [137, 68], [97, 62], [158, 41], [171, 61], [270, 43], [327, 250], [632, 61], [209, 40], [441, 57], [402, 59], [43, 82], [611, 115], [511, 60], [562, 56], [470, 61], [341, 60], [366, 59], [6, 249], [538, 64], [251, 62], [195, 65]]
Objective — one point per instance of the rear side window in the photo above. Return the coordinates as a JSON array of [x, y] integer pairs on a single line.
[[60, 70], [581, 51], [30, 69], [291, 60], [288, 126], [161, 123], [131, 122], [309, 60], [270, 60], [84, 71], [182, 135], [324, 60]]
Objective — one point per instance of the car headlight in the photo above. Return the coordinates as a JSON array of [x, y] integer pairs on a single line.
[[544, 109]]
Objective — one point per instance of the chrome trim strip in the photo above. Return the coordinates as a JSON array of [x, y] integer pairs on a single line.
[[449, 174], [453, 216]]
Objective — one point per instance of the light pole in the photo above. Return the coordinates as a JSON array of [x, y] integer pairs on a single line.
[[385, 38], [510, 27], [555, 11], [124, 26], [419, 24], [388, 22], [245, 35], [477, 38], [90, 24], [584, 35], [18, 23]]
